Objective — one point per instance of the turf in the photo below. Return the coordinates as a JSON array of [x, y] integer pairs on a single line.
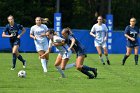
[[111, 79]]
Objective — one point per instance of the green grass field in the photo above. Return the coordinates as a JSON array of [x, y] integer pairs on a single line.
[[111, 79]]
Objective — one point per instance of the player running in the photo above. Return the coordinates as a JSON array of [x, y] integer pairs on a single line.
[[38, 33], [80, 52], [63, 56], [12, 29], [99, 32], [131, 33]]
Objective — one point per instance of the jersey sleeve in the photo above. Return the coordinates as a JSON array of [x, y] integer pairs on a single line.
[[45, 27], [50, 43], [32, 31], [126, 31], [20, 26], [106, 29], [5, 29], [93, 29]]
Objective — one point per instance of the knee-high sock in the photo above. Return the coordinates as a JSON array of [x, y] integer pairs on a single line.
[[70, 65], [14, 60], [43, 62], [125, 57], [101, 58], [21, 59], [60, 71], [136, 59]]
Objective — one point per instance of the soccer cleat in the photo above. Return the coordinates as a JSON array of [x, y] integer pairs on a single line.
[[94, 70], [123, 63], [24, 65], [63, 76], [108, 62], [91, 77], [12, 68], [46, 71], [103, 63]]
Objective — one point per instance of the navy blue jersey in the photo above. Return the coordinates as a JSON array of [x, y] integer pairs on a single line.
[[77, 46], [132, 32], [13, 30]]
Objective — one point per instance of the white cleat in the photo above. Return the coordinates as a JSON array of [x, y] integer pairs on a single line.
[[12, 68], [45, 71], [24, 66]]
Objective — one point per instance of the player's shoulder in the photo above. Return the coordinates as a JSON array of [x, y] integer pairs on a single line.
[[43, 25], [34, 26]]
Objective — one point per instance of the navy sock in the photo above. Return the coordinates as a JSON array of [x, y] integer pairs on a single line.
[[14, 60], [124, 59], [21, 59], [87, 68], [136, 59], [86, 73]]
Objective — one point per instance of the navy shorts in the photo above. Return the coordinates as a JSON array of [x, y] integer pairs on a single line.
[[81, 52], [15, 42], [132, 44]]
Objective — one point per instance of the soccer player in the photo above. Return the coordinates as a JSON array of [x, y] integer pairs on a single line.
[[63, 56], [100, 32], [38, 33], [80, 52], [131, 33], [12, 31]]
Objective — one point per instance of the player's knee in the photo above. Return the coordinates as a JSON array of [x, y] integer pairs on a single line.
[[78, 67], [63, 68]]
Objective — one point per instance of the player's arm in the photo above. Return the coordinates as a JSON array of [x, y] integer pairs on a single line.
[[4, 35], [23, 31], [59, 44], [130, 38], [72, 43], [32, 36], [92, 32]]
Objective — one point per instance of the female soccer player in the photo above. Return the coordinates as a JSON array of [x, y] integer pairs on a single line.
[[80, 52], [63, 56], [13, 29], [38, 33], [99, 32], [131, 33]]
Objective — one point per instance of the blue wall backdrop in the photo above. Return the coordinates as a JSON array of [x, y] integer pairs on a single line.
[[27, 44]]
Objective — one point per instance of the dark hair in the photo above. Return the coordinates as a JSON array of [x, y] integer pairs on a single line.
[[51, 31], [67, 30]]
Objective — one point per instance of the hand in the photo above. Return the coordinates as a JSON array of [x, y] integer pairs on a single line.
[[132, 39], [69, 49], [11, 35], [18, 36]]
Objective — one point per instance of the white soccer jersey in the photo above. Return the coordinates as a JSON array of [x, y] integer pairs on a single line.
[[37, 31], [100, 32], [57, 39]]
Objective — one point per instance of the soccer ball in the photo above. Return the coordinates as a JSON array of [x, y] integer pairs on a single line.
[[22, 74]]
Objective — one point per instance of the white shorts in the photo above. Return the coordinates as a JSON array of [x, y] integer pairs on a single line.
[[103, 44], [65, 55], [41, 46]]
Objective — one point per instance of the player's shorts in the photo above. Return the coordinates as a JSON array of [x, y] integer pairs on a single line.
[[15, 42], [80, 52], [41, 46], [65, 55], [132, 45], [103, 44]]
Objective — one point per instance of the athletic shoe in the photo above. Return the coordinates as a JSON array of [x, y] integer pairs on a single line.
[[103, 63], [63, 76], [24, 65], [12, 68], [94, 70], [91, 77], [108, 62], [46, 71]]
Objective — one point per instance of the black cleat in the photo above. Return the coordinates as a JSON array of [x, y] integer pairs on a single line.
[[94, 70], [123, 63], [103, 63], [91, 77], [108, 62]]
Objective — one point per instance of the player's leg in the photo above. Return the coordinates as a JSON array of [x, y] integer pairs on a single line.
[[57, 65], [136, 49], [21, 58], [106, 55], [14, 50], [100, 54], [43, 60], [128, 49], [83, 68]]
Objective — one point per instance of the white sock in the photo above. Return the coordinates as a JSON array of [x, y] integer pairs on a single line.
[[60, 71], [70, 65], [43, 62], [101, 58]]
